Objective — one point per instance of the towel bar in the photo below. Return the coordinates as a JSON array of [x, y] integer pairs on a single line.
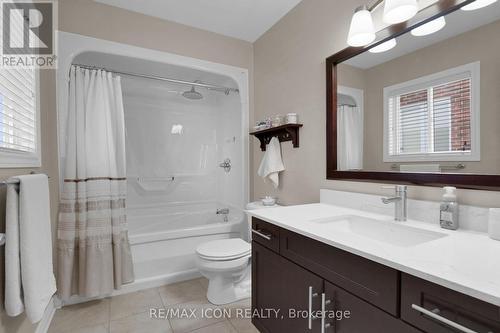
[[12, 181]]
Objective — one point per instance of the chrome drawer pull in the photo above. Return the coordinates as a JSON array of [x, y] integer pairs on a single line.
[[261, 234], [324, 303], [311, 317], [441, 319]]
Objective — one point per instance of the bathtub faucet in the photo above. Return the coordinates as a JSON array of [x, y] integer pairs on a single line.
[[225, 212]]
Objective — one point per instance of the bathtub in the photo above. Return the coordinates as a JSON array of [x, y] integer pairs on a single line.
[[164, 239]]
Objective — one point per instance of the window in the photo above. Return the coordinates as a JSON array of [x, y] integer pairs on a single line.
[[19, 118], [433, 118]]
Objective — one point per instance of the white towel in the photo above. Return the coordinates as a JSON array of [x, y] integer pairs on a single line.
[[13, 290], [271, 164], [31, 259]]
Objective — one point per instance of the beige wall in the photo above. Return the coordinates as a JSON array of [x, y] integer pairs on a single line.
[[290, 76], [96, 20], [482, 44]]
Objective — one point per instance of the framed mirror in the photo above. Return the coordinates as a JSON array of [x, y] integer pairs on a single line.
[[420, 105]]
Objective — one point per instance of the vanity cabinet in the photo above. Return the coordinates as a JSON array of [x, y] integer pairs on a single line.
[[299, 275]]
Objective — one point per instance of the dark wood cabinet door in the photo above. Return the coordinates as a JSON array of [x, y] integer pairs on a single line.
[[267, 273], [347, 313], [282, 292], [300, 288]]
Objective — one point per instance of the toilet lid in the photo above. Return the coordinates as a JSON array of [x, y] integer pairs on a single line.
[[224, 249]]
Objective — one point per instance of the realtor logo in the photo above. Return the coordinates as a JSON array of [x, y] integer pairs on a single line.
[[28, 34]]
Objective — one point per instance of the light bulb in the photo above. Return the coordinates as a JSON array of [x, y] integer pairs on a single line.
[[430, 27], [386, 46], [478, 4], [362, 30], [397, 11]]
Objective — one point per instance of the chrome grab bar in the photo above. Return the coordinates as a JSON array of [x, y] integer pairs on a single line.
[[311, 317], [154, 179], [441, 319], [261, 234], [324, 303]]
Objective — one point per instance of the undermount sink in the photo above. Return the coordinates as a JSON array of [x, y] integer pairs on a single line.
[[383, 231]]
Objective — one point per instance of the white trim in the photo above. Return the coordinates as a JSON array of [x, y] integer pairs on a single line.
[[70, 45], [48, 314], [142, 284], [472, 70], [20, 159]]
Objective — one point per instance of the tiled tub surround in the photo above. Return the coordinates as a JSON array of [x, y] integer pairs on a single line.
[[129, 313], [465, 260]]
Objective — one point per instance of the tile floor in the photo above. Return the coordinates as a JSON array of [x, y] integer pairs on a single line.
[[130, 313]]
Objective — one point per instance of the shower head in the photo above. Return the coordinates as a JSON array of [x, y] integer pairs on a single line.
[[192, 94]]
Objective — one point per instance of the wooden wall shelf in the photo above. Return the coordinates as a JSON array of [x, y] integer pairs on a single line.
[[288, 132]]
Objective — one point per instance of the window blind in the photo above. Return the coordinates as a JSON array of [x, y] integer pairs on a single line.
[[435, 119], [18, 119]]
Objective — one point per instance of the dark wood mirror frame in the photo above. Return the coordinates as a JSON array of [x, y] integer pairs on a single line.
[[471, 181]]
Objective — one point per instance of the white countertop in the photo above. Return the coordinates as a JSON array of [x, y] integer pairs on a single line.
[[465, 261]]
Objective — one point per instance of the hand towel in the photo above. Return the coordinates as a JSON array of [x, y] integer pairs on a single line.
[[271, 164], [13, 290], [494, 223], [38, 283]]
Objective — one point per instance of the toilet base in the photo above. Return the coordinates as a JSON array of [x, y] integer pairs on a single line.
[[224, 289]]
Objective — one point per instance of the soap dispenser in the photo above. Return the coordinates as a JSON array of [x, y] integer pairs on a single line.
[[449, 209]]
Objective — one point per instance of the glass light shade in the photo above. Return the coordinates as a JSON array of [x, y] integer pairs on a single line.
[[430, 27], [362, 30], [386, 46], [397, 11], [478, 4]]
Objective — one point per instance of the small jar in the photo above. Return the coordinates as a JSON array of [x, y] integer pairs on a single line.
[[292, 118], [277, 120]]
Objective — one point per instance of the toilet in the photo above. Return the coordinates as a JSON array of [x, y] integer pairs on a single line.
[[226, 263]]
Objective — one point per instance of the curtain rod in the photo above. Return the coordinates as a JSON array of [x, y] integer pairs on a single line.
[[226, 90]]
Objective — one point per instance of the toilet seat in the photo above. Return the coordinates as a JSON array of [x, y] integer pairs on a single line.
[[224, 249]]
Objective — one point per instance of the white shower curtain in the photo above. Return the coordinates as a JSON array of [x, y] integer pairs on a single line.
[[350, 138], [93, 249]]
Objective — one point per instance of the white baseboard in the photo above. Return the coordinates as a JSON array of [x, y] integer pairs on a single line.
[[44, 324], [141, 284]]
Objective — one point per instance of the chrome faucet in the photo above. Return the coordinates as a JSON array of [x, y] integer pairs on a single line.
[[225, 212], [400, 202]]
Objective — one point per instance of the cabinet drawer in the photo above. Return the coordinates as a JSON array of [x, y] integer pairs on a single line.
[[266, 234], [375, 283], [418, 295], [353, 315]]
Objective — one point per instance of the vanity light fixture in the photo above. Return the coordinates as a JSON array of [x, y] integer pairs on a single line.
[[397, 11], [430, 27], [478, 4], [362, 30], [386, 46]]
